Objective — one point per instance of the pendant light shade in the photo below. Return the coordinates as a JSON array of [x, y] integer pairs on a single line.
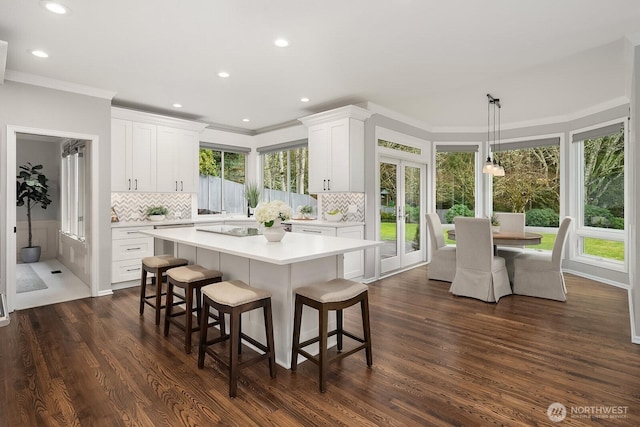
[[493, 166]]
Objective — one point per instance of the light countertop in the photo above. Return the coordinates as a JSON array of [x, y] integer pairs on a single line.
[[221, 219], [294, 247]]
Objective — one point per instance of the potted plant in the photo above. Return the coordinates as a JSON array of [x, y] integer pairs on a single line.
[[495, 223], [32, 191], [252, 194], [306, 211], [157, 213]]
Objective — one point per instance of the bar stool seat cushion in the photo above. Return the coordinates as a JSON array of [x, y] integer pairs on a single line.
[[234, 293], [192, 273], [335, 290], [160, 261]]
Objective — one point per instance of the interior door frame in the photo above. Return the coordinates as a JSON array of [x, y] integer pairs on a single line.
[[9, 222]]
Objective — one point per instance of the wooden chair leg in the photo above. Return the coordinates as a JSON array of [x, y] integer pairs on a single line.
[[297, 320], [233, 352], [323, 320], [339, 329], [188, 329], [366, 327], [169, 307], [158, 295], [202, 347], [268, 324], [143, 290]]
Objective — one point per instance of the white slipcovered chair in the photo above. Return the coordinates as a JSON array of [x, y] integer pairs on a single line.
[[479, 274], [540, 275], [443, 257], [513, 222]]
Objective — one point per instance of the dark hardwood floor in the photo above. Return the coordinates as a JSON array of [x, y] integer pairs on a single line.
[[438, 360]]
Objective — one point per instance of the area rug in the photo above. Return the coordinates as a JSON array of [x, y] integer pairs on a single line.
[[27, 280]]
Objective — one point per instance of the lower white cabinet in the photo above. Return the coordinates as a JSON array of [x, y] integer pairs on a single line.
[[353, 261], [128, 247]]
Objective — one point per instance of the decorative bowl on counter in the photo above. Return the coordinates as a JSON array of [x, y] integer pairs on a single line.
[[334, 217], [156, 217]]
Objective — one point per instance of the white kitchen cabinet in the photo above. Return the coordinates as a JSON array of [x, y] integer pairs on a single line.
[[133, 156], [128, 247], [353, 261], [336, 150], [177, 165]]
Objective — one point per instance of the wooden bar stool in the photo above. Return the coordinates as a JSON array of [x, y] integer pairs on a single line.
[[157, 265], [190, 278], [234, 298], [336, 294]]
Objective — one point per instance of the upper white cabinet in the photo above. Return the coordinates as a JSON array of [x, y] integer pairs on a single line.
[[177, 169], [133, 156], [336, 150], [153, 153]]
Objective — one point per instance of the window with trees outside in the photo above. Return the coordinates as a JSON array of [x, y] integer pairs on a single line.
[[73, 189], [285, 176], [455, 181], [531, 184], [221, 182], [601, 159]]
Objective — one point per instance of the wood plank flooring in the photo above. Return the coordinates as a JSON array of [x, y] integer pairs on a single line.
[[438, 360]]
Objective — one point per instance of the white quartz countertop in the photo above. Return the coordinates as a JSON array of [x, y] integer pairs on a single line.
[[199, 220], [322, 223], [294, 247]]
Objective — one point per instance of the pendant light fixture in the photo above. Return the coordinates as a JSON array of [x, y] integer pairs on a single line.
[[494, 166]]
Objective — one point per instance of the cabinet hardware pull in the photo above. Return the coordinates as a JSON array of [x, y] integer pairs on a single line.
[[133, 269], [133, 249], [132, 232], [329, 184], [324, 184], [136, 183], [176, 185], [311, 231], [181, 185], [129, 183]]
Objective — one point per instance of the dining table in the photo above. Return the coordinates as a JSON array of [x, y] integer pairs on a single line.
[[508, 238]]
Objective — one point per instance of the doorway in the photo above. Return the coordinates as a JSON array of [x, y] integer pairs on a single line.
[[70, 275], [402, 201]]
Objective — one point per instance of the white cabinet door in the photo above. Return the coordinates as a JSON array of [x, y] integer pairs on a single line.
[[353, 261], [177, 160], [338, 178], [121, 136], [311, 229], [143, 155], [319, 159]]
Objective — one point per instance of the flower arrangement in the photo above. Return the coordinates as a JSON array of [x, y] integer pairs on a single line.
[[268, 213]]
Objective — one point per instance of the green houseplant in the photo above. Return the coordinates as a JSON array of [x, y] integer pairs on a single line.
[[32, 190], [157, 213], [495, 223], [252, 194], [306, 211]]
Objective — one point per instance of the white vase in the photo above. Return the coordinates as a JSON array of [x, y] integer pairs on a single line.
[[275, 233]]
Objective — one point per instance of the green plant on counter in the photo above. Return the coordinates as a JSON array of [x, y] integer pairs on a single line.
[[252, 194], [306, 210], [157, 210], [494, 220]]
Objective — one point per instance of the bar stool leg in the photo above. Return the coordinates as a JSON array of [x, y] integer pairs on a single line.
[[143, 289], [169, 307], [268, 325], [339, 329], [366, 328], [297, 320], [204, 320], [233, 351], [158, 294], [323, 320], [189, 318]]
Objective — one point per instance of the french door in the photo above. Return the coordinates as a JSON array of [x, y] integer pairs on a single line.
[[402, 201]]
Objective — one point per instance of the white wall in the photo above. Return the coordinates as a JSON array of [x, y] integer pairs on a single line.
[[27, 106]]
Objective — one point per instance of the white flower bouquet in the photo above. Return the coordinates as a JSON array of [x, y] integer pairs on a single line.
[[268, 213]]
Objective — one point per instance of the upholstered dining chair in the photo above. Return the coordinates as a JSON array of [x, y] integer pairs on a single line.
[[513, 222], [443, 257], [479, 274], [540, 275]]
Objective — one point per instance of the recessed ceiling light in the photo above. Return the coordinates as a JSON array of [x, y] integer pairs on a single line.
[[39, 53], [55, 7], [246, 120], [223, 74], [281, 43], [305, 99], [176, 105]]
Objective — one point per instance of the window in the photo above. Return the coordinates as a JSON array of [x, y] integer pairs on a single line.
[[601, 192], [73, 188], [455, 181], [222, 179], [399, 147], [285, 176]]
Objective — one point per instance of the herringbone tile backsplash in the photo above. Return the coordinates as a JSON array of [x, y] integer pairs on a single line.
[[133, 206], [342, 202]]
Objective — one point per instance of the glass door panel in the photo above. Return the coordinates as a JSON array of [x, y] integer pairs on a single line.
[[388, 210], [411, 209]]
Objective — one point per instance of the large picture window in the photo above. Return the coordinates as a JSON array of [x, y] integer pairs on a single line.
[[73, 189], [601, 192], [285, 176], [222, 179], [455, 181]]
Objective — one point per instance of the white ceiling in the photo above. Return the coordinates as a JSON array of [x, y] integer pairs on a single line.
[[431, 60]]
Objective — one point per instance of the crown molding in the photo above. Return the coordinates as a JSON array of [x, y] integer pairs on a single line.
[[379, 109], [349, 111], [156, 119], [35, 80]]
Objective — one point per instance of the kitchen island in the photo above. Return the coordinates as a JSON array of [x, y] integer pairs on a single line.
[[298, 260]]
